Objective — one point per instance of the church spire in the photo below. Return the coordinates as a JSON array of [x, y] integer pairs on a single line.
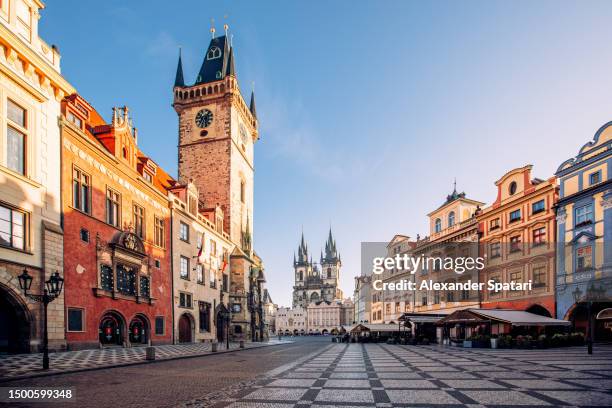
[[231, 69], [179, 79]]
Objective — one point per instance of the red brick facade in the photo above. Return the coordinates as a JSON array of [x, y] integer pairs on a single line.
[[117, 256]]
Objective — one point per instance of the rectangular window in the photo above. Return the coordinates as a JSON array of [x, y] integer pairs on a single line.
[[113, 208], [515, 215], [15, 155], [515, 243], [584, 214], [213, 278], [184, 268], [595, 178], [16, 114], [516, 277], [213, 247], [539, 276], [185, 300], [81, 190], [145, 287], [71, 117], [139, 221], [495, 249], [537, 207], [13, 228], [204, 309], [184, 232], [147, 176], [584, 258], [126, 280], [436, 297], [107, 279], [84, 235], [450, 296], [160, 235], [75, 319], [159, 325], [200, 273], [539, 236], [494, 224], [225, 281]]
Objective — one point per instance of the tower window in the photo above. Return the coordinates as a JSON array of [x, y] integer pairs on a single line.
[[213, 53]]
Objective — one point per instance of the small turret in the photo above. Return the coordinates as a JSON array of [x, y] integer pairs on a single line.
[[179, 80]]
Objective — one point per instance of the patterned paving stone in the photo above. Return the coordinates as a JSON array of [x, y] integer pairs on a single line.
[[378, 375]]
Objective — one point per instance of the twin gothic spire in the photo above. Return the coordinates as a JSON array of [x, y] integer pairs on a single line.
[[331, 254]]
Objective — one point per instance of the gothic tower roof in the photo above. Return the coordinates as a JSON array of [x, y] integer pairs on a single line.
[[216, 61], [331, 253], [302, 258], [252, 105]]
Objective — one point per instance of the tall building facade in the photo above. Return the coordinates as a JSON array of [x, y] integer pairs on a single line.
[[453, 233], [584, 237], [517, 236], [118, 289], [314, 283], [31, 236], [200, 258], [217, 135]]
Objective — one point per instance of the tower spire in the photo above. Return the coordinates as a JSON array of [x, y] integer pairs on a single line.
[[179, 80], [252, 104]]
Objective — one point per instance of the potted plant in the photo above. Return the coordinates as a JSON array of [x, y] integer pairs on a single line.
[[542, 341], [494, 341]]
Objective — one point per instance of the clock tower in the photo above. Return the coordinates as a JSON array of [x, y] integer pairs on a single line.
[[217, 134]]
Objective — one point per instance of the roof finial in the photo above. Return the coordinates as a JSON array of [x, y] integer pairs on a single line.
[[455, 185], [212, 27], [225, 28]]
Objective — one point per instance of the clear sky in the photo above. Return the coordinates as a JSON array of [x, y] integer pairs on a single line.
[[368, 110]]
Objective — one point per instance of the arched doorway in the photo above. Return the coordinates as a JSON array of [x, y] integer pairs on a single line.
[[111, 330], [185, 328], [15, 322], [539, 310], [139, 330], [220, 327]]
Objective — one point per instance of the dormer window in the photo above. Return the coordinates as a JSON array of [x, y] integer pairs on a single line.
[[147, 176], [213, 53]]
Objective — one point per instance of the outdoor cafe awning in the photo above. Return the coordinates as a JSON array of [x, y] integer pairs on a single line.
[[421, 317], [509, 316], [375, 327], [519, 317]]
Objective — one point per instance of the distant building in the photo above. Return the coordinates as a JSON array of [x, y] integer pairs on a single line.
[[362, 297], [270, 310], [311, 283], [291, 321], [584, 237], [327, 317], [397, 302]]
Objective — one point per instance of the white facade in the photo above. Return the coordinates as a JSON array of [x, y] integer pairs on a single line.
[[291, 321], [31, 88]]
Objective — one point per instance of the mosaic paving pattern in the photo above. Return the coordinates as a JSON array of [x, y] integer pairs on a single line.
[[19, 365], [380, 375]]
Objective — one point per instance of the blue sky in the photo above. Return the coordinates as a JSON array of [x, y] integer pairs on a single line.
[[368, 110]]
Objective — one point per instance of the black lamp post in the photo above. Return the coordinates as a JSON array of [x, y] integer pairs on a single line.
[[53, 288], [589, 334], [225, 314]]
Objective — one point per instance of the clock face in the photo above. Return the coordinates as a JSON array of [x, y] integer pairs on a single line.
[[243, 134], [204, 118]]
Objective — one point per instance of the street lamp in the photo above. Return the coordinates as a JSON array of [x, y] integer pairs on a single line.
[[53, 288], [589, 334]]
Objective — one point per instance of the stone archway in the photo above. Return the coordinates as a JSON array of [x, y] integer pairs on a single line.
[[15, 323], [111, 330], [139, 330]]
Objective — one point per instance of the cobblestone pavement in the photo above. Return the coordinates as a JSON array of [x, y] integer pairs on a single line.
[[378, 375], [172, 382], [20, 365]]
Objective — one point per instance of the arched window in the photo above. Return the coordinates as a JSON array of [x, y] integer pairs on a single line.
[[438, 225], [329, 272], [301, 276], [214, 53], [242, 191], [451, 219]]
